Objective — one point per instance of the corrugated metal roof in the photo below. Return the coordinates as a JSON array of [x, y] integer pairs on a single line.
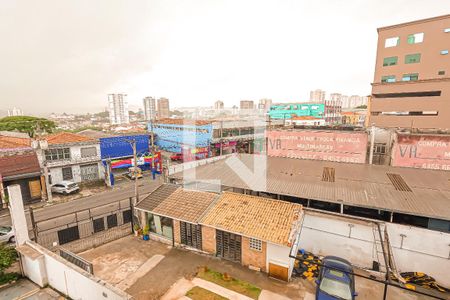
[[356, 184], [257, 217]]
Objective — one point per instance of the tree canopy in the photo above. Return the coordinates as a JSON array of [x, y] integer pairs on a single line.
[[26, 124]]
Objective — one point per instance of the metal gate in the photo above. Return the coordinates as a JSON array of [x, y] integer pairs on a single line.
[[191, 235], [228, 245], [89, 172]]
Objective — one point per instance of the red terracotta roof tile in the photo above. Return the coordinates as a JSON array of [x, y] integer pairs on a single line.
[[19, 164], [66, 138]]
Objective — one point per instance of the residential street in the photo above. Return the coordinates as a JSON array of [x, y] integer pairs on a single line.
[[121, 192]]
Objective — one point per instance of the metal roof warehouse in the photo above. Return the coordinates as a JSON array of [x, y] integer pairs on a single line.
[[401, 195]]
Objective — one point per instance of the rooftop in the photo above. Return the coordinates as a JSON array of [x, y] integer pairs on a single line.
[[414, 22], [178, 203], [360, 185], [19, 165], [256, 217], [9, 142], [67, 138], [183, 122]]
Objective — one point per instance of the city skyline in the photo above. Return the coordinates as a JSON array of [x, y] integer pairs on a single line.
[[175, 55]]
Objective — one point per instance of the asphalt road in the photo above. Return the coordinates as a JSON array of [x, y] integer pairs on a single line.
[[109, 196]]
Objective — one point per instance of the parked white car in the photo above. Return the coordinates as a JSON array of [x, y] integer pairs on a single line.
[[65, 187], [6, 234]]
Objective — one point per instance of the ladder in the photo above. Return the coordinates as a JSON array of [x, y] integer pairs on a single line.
[[383, 252]]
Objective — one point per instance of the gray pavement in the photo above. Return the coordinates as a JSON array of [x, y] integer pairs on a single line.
[[124, 191], [25, 289]]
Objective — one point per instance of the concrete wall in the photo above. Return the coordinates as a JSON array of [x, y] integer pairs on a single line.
[[209, 239], [279, 255], [66, 278], [324, 235], [56, 172], [254, 258], [422, 250]]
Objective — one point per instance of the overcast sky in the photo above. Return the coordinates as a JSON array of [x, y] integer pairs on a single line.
[[66, 56]]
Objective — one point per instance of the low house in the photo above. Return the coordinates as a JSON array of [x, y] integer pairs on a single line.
[[19, 165], [73, 157], [253, 231], [173, 214], [22, 169]]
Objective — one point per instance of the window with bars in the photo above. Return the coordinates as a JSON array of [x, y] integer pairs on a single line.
[[99, 225], [57, 154], [88, 152], [67, 173], [255, 244], [111, 220]]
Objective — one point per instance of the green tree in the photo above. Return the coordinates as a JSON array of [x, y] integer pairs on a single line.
[[8, 255], [26, 124], [362, 106]]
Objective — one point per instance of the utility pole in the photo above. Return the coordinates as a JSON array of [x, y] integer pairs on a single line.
[[47, 183], [136, 189], [372, 144], [153, 149], [221, 137]]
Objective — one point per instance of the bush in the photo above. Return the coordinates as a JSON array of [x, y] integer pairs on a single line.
[[8, 255]]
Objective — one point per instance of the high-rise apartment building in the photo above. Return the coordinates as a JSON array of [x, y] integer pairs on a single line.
[[264, 104], [411, 86], [15, 112], [118, 109], [163, 108], [317, 96], [247, 104], [149, 108], [218, 105]]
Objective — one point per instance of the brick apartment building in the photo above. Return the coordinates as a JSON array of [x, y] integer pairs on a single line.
[[411, 86]]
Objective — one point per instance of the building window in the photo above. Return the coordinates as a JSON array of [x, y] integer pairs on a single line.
[[57, 154], [88, 152], [390, 61], [415, 38], [111, 220], [67, 173], [410, 77], [379, 149], [444, 52], [255, 244], [388, 78], [392, 42], [412, 58], [441, 73]]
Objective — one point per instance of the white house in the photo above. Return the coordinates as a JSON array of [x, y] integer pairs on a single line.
[[70, 156]]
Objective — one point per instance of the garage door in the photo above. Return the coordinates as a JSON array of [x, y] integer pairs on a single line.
[[35, 189], [228, 245], [191, 235], [278, 272], [89, 172]]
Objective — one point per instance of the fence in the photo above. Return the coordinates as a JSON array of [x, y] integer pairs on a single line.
[[77, 260], [193, 164], [86, 228]]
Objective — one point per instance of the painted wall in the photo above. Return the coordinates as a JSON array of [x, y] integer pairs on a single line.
[[422, 151], [337, 146], [422, 250], [172, 137], [68, 279], [114, 147], [328, 235], [56, 173], [286, 111], [279, 255]]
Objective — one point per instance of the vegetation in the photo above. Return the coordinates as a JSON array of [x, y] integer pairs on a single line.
[[230, 283], [198, 293], [26, 124], [362, 106], [8, 256]]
